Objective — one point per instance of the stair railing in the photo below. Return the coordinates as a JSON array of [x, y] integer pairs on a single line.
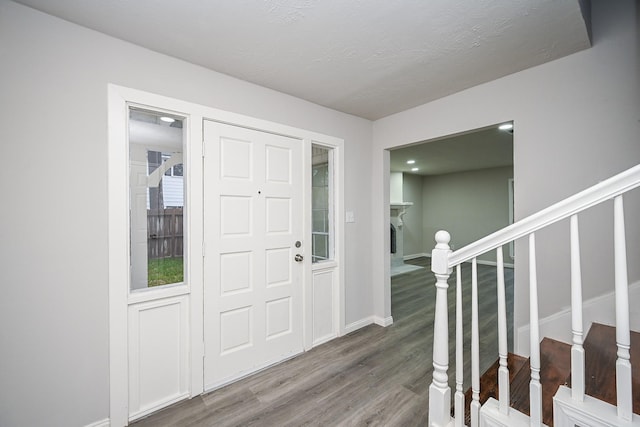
[[443, 260]]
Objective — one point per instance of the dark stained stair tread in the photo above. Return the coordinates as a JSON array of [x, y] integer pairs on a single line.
[[489, 382], [555, 370], [600, 364]]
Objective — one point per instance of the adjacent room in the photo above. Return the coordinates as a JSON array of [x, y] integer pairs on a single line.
[[463, 184]]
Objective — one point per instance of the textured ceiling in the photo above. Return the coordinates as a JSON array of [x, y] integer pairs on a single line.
[[369, 58], [479, 149]]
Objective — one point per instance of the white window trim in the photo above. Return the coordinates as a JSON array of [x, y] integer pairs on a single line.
[[331, 210], [119, 101], [336, 174]]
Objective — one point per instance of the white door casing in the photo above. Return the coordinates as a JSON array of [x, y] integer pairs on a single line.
[[253, 299], [189, 295]]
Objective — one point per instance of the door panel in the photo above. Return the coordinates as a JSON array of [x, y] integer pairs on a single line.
[[253, 217], [158, 354], [324, 287]]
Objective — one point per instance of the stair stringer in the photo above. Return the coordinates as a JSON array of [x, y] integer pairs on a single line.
[[591, 412], [490, 416]]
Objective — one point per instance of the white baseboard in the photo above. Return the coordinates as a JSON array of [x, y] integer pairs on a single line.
[[102, 423], [358, 324], [600, 309], [414, 256], [386, 321], [482, 262], [382, 321]]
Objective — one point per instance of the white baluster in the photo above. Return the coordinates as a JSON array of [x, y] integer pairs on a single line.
[[623, 339], [577, 351], [475, 348], [503, 371], [535, 388], [459, 396], [439, 391]]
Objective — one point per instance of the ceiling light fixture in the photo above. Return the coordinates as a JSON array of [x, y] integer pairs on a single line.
[[410, 162], [414, 169], [167, 119], [506, 126]]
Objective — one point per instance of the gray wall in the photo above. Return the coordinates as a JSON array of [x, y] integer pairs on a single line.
[[576, 123], [469, 205], [53, 237]]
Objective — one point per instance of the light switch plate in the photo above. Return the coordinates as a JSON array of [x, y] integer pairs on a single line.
[[350, 217]]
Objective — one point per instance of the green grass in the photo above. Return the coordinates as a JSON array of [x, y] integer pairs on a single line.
[[165, 271]]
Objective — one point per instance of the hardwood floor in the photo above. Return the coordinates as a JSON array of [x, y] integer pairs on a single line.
[[374, 376]]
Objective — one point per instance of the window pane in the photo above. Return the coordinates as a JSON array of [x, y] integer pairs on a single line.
[[157, 200], [321, 203]]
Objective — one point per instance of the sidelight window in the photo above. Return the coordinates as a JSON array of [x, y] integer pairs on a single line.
[[322, 204], [156, 188]]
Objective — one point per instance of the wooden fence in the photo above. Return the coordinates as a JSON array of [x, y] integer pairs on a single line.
[[165, 228]]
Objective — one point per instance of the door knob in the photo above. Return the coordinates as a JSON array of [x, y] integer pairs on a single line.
[[299, 258]]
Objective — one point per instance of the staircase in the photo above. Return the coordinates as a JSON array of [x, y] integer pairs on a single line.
[[585, 383], [555, 371]]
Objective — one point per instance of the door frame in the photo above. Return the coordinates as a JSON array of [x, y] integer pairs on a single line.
[[119, 99], [336, 265]]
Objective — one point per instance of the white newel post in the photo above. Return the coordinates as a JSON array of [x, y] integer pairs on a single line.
[[439, 391]]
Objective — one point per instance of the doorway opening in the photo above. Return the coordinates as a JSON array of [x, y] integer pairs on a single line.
[[462, 184]]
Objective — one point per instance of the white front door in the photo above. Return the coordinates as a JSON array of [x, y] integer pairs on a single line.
[[253, 220]]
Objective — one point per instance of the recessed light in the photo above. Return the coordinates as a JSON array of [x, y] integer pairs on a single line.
[[506, 126], [410, 162], [414, 169], [167, 119]]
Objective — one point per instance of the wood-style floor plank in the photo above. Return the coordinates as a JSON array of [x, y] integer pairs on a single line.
[[372, 377]]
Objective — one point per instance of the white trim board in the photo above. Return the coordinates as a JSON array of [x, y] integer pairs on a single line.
[[600, 309], [569, 412], [414, 256], [102, 423], [386, 321], [480, 261], [359, 324]]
